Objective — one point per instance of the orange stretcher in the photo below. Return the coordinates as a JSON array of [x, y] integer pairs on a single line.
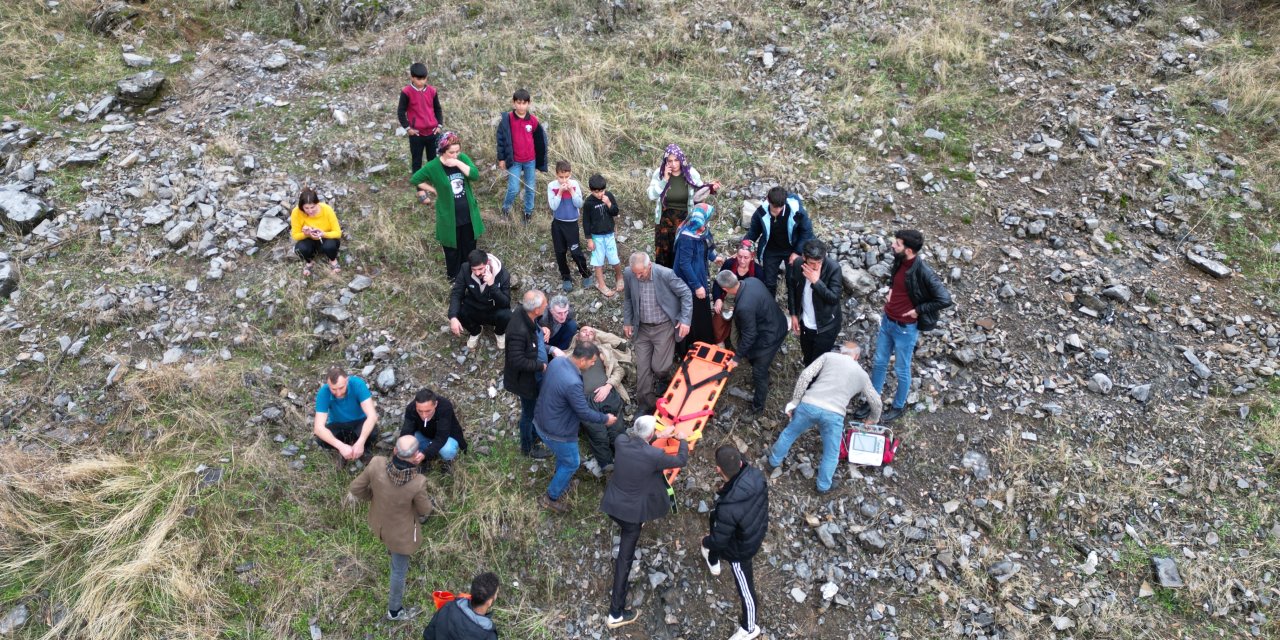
[[691, 398]]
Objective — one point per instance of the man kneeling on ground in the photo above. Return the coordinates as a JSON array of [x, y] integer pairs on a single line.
[[346, 418], [430, 419]]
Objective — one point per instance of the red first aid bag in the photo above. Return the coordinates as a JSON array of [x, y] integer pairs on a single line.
[[868, 445]]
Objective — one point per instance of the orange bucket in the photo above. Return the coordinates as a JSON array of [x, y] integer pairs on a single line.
[[442, 598]]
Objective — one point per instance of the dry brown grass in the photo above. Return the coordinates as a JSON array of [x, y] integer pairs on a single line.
[[949, 37]]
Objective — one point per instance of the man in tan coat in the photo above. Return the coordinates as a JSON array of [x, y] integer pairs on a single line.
[[398, 503], [602, 383]]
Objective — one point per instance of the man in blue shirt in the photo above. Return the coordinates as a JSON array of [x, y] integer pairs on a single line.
[[561, 408], [346, 418]]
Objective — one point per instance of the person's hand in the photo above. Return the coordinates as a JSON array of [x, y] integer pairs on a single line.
[[789, 412], [611, 421], [411, 131], [602, 392], [627, 330], [679, 435], [357, 450], [912, 313], [488, 277], [792, 259], [344, 450], [719, 261], [715, 185], [438, 129], [418, 458], [502, 164], [719, 305], [811, 274], [700, 292], [544, 366], [349, 500], [888, 296], [606, 200], [682, 330], [546, 333], [557, 352], [591, 245], [450, 162], [455, 326], [795, 325]]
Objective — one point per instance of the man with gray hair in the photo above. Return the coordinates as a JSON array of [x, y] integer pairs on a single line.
[[398, 503], [558, 324], [656, 310], [762, 326], [822, 393], [637, 493], [525, 362]]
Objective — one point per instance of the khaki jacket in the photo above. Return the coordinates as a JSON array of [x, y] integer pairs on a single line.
[[393, 510], [614, 357]]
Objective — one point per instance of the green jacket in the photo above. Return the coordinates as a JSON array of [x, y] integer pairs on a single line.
[[446, 227]]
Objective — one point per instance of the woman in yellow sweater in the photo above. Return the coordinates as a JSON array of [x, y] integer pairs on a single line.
[[316, 230]]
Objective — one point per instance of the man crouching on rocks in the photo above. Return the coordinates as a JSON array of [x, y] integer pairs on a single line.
[[398, 504]]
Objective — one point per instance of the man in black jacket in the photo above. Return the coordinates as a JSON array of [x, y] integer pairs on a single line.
[[481, 297], [526, 359], [780, 228], [813, 297], [430, 419], [762, 326], [637, 493], [738, 526], [915, 298], [467, 619]]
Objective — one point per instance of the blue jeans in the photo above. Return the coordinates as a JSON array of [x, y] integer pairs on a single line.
[[447, 452], [567, 462], [830, 425], [901, 342], [565, 335], [513, 186], [528, 437]]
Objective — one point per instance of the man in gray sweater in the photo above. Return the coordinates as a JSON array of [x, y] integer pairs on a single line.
[[821, 396]]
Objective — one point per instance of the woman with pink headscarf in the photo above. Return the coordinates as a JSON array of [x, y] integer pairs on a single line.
[[675, 186]]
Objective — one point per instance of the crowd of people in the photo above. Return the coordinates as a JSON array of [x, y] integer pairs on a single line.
[[571, 379]]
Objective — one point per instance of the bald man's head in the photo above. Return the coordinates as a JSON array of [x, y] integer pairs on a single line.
[[406, 447]]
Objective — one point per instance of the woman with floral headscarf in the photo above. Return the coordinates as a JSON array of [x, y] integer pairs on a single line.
[[458, 222], [674, 187], [743, 265], [695, 249]]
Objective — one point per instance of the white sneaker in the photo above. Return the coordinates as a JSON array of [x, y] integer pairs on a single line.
[[472, 341], [713, 568], [501, 341], [743, 634]]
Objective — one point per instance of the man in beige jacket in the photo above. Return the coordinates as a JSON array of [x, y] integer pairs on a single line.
[[398, 504], [602, 384]]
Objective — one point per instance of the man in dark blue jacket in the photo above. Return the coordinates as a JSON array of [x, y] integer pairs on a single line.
[[562, 407], [762, 326], [780, 228], [738, 526], [467, 619]]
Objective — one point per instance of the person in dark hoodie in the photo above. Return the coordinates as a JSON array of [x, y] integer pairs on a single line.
[[739, 523], [467, 619], [430, 419], [420, 115], [481, 297], [522, 147]]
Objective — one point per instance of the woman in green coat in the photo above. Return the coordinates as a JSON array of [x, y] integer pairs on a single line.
[[449, 178]]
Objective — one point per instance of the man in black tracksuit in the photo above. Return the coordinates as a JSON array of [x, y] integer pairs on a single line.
[[738, 526], [813, 298]]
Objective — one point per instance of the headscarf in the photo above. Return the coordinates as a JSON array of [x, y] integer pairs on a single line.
[[697, 221], [673, 150], [447, 139]]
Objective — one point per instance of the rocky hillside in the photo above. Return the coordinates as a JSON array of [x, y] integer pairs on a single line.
[[1095, 427]]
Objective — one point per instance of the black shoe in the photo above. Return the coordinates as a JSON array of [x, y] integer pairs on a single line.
[[892, 414], [628, 616], [445, 467], [540, 452], [862, 411]]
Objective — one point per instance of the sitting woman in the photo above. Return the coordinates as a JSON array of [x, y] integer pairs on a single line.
[[315, 229], [675, 186], [743, 265], [695, 249]]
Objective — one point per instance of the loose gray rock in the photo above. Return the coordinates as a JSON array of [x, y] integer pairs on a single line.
[[136, 61], [1221, 107], [1211, 267], [1100, 383], [977, 464], [22, 210], [110, 17], [84, 158], [275, 62], [872, 540], [386, 380], [269, 228], [1141, 393], [360, 283], [8, 279], [1167, 573], [1118, 292], [177, 236], [14, 620], [858, 281], [934, 134], [140, 89]]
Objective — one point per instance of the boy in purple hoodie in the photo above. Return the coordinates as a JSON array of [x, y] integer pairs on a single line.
[[420, 115]]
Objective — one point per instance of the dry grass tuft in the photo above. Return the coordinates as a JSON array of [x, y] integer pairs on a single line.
[[946, 38]]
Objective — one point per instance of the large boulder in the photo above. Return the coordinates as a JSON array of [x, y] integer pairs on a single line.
[[857, 281], [270, 227], [22, 211], [140, 88]]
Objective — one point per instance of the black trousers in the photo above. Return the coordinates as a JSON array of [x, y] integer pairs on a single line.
[[348, 433], [565, 239], [630, 535], [815, 343], [419, 144], [599, 436], [454, 257], [770, 269], [760, 366], [744, 578], [700, 327], [475, 321], [307, 248]]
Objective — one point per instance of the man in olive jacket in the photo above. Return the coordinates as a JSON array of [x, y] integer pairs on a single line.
[[637, 493], [738, 526], [398, 502]]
